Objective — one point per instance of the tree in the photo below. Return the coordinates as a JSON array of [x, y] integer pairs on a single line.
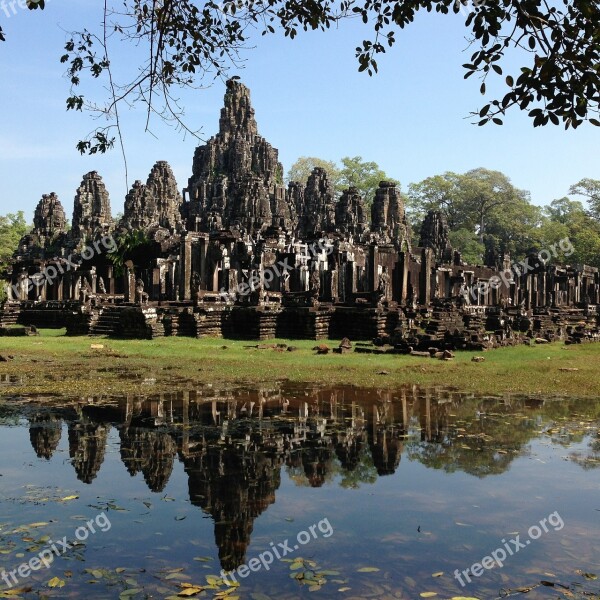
[[363, 175], [186, 42], [489, 196], [567, 220], [565, 211], [355, 172], [300, 171], [441, 193], [480, 202], [589, 189], [513, 228], [471, 249], [12, 228]]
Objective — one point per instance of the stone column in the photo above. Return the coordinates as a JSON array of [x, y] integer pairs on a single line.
[[543, 287], [76, 286], [110, 280], [425, 276], [403, 267], [129, 286], [156, 281], [334, 285], [202, 251], [185, 272], [43, 290], [9, 290], [373, 270]]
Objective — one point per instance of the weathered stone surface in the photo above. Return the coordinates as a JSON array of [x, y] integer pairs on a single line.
[[388, 217], [91, 211], [346, 343], [49, 219], [321, 349], [243, 257], [237, 179], [295, 194], [351, 213], [434, 235], [156, 205], [345, 347], [317, 214], [49, 225], [163, 196], [134, 214]]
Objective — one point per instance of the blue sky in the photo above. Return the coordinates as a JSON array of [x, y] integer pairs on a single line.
[[411, 118]]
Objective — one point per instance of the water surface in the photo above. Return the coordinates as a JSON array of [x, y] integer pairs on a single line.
[[401, 489]]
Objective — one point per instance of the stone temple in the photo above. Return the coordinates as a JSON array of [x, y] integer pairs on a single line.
[[239, 254]]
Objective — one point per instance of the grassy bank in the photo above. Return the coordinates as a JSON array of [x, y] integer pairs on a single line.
[[55, 364]]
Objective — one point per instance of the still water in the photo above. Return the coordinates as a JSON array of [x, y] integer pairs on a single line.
[[296, 492]]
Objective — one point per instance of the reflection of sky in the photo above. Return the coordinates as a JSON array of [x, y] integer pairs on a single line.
[[411, 524]]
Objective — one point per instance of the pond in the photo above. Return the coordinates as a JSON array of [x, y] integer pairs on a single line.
[[300, 492]]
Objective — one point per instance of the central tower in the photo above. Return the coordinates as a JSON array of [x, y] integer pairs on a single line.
[[237, 179]]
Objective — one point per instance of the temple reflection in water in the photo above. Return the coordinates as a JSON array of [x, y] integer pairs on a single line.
[[233, 445]]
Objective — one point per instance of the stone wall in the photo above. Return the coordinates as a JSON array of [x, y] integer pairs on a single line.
[[239, 254]]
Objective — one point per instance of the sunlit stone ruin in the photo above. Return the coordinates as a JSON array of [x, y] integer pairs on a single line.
[[239, 254]]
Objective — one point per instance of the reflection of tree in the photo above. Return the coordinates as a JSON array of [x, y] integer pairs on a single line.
[[9, 415], [572, 422], [354, 456], [363, 471], [473, 458], [565, 431], [481, 440], [87, 445], [566, 409], [45, 431], [590, 460]]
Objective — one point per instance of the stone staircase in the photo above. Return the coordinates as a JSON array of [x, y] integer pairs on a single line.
[[140, 322], [9, 314], [108, 321]]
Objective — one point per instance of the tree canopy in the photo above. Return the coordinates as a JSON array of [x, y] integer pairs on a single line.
[[481, 203], [300, 171], [566, 218], [353, 172], [590, 190], [12, 228], [363, 175], [487, 214], [185, 42]]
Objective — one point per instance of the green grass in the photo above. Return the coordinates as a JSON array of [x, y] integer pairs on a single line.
[[55, 364]]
